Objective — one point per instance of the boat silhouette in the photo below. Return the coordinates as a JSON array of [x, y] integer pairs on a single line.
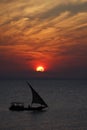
[[37, 103]]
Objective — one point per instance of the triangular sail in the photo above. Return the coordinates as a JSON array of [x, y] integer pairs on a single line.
[[36, 98]]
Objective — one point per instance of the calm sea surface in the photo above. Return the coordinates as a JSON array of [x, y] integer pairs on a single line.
[[67, 101]]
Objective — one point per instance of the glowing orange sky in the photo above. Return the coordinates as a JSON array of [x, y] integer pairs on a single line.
[[48, 32]]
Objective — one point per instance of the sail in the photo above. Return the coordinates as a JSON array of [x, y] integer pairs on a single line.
[[36, 98]]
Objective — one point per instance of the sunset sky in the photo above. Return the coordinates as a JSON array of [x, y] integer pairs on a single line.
[[51, 33]]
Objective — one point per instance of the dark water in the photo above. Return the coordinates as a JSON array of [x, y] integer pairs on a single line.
[[67, 101]]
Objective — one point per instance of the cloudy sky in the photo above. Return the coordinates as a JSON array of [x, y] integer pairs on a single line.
[[51, 33]]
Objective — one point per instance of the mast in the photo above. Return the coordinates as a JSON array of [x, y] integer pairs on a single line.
[[36, 98]]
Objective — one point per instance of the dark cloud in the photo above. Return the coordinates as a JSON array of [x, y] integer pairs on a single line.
[[73, 8], [6, 1], [73, 50]]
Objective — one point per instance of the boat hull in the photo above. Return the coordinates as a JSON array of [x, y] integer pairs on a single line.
[[26, 109], [16, 108], [35, 108]]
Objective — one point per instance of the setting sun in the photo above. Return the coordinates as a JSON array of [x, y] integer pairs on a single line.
[[40, 69]]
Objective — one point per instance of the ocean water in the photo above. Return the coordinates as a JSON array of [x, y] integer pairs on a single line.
[[67, 101]]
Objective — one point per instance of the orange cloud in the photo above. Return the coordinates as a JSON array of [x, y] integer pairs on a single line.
[[43, 31]]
